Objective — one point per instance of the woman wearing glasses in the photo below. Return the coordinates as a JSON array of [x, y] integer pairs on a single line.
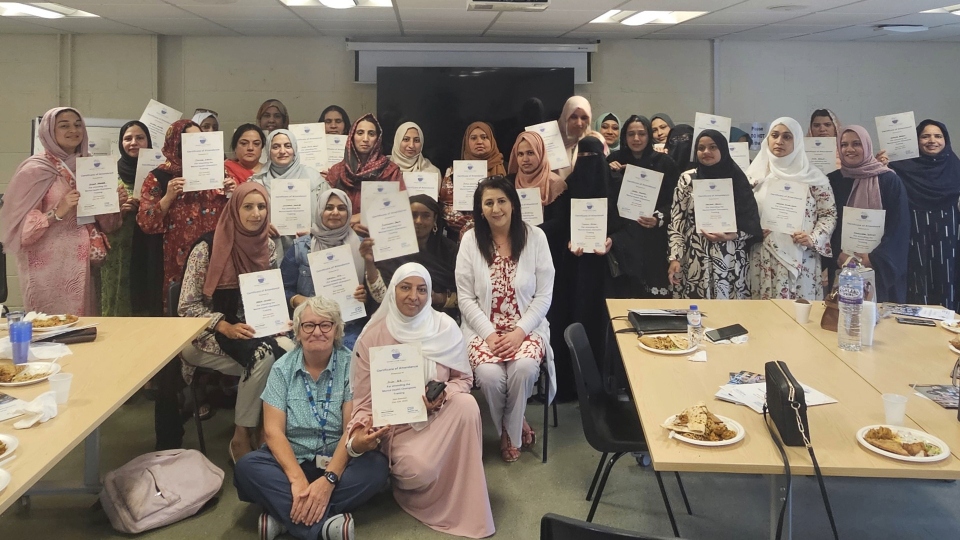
[[311, 474]]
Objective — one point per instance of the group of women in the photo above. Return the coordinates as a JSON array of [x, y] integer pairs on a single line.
[[486, 297]]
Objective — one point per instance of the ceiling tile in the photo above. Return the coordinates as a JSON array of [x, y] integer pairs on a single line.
[[182, 27], [894, 7], [20, 25], [702, 31], [234, 12], [444, 15], [677, 5], [268, 27], [842, 34]]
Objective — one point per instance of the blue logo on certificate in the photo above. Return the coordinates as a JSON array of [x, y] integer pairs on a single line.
[[306, 129], [395, 354], [203, 140], [260, 279], [329, 256], [96, 164], [386, 202]]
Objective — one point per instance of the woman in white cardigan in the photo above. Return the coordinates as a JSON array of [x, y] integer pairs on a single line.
[[505, 285]]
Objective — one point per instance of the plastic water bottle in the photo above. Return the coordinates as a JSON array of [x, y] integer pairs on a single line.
[[851, 306], [694, 327]]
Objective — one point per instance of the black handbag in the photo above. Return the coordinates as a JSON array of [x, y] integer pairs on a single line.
[[657, 324], [787, 410]]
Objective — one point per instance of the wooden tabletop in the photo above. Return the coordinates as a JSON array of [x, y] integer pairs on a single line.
[[106, 372], [665, 385]]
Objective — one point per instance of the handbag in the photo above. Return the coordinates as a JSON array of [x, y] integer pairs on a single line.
[[787, 410], [831, 315], [99, 246], [613, 265]]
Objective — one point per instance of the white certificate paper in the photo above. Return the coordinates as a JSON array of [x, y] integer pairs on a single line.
[[531, 209], [158, 118], [897, 134], [822, 153], [740, 154], [588, 224], [103, 141], [466, 175], [336, 146], [290, 206], [397, 387], [97, 184], [264, 302], [704, 121], [422, 183], [639, 192], [147, 160], [862, 229], [713, 205], [335, 276], [556, 153], [391, 226], [368, 190], [202, 161], [311, 145], [784, 207]]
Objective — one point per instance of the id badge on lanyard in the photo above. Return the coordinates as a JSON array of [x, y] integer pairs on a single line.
[[322, 461]]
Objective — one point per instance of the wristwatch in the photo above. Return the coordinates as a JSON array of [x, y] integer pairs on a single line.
[[332, 477]]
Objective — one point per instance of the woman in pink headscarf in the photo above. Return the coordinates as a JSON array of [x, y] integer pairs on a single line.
[[575, 121], [39, 221]]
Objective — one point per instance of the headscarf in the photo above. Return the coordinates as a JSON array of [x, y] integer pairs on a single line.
[[274, 103], [932, 182], [748, 217], [679, 145], [173, 149], [549, 183], [325, 238], [572, 104], [603, 117], [35, 176], [493, 157], [795, 167], [589, 179], [833, 117], [127, 164], [736, 134], [665, 117], [418, 163], [866, 184], [355, 170], [236, 250], [295, 169], [339, 109], [203, 115]]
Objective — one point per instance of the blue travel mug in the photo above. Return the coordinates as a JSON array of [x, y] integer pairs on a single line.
[[20, 334]]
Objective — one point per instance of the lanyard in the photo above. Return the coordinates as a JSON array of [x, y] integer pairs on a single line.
[[321, 419]]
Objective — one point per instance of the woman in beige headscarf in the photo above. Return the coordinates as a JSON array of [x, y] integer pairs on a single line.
[[575, 120], [408, 150]]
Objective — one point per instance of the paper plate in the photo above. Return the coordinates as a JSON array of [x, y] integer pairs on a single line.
[[11, 442], [953, 326], [37, 367], [910, 433], [732, 424], [4, 480], [645, 347]]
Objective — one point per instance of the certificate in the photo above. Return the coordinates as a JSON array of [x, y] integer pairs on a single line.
[[397, 387], [531, 210], [158, 118], [897, 134], [264, 302], [704, 121], [556, 153], [639, 192], [335, 276], [202, 161], [391, 226], [822, 152], [466, 175], [311, 145], [102, 141], [290, 206], [862, 229], [588, 224], [784, 207], [336, 146], [147, 160], [422, 183], [740, 154], [97, 184], [368, 190], [713, 205]]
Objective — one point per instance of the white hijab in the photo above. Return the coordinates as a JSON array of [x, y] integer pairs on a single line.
[[419, 163], [795, 167]]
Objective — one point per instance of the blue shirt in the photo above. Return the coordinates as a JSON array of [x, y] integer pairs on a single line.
[[286, 391]]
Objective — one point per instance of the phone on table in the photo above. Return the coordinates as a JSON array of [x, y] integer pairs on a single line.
[[434, 389], [726, 332], [918, 322]]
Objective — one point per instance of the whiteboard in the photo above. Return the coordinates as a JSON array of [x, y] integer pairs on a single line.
[[103, 135]]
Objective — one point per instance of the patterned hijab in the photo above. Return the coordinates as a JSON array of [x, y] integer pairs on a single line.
[[866, 184], [236, 250], [418, 163], [493, 156], [173, 147], [549, 183], [358, 169]]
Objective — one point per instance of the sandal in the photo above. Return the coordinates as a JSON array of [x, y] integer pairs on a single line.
[[508, 452], [529, 437]]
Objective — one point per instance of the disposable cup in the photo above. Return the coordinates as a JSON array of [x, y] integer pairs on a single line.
[[801, 310], [894, 408], [60, 383]]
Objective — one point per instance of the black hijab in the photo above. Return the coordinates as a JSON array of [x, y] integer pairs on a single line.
[[679, 144], [932, 182], [127, 165], [591, 174], [748, 217]]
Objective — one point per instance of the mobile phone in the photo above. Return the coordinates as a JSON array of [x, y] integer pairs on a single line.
[[726, 332], [434, 389], [918, 322]]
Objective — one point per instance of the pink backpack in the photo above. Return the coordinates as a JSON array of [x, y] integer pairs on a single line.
[[158, 489]]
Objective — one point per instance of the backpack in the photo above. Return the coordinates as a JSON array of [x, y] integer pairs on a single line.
[[158, 489]]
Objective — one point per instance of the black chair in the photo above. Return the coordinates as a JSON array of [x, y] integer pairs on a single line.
[[610, 425], [173, 300], [554, 527], [543, 392]]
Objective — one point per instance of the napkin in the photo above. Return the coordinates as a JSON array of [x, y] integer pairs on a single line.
[[699, 356], [41, 409], [38, 351]]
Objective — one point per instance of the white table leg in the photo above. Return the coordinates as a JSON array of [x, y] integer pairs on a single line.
[[778, 492]]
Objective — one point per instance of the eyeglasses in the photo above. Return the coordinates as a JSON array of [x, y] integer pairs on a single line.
[[309, 327]]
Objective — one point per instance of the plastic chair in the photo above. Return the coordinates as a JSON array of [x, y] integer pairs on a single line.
[[173, 300], [554, 527], [610, 426]]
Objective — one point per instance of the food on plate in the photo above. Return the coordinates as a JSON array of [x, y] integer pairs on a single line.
[[668, 342], [3, 448], [16, 374], [42, 320], [899, 443], [955, 342], [699, 424]]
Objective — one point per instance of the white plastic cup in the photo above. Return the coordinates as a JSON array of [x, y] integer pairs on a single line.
[[868, 321], [894, 408], [60, 383], [801, 310]]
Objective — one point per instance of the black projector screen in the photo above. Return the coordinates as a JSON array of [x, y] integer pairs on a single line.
[[444, 101]]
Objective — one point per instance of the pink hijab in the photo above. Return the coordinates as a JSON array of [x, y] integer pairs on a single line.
[[35, 176], [549, 183], [866, 184], [572, 104]]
